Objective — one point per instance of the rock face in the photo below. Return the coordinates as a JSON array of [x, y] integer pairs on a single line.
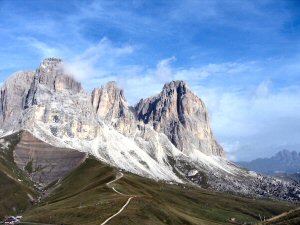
[[51, 74], [111, 106], [12, 98], [182, 116], [58, 103], [165, 137]]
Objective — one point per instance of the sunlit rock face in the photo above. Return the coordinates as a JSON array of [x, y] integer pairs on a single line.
[[111, 106], [58, 102], [51, 76], [182, 116], [165, 137], [50, 97]]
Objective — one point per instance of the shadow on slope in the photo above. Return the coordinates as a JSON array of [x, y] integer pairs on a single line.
[[16, 190]]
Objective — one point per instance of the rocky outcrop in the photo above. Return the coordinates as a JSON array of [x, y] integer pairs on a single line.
[[51, 75], [12, 98], [165, 137], [111, 106], [182, 116], [65, 118], [58, 103]]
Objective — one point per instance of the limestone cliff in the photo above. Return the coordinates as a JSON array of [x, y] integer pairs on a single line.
[[110, 105], [182, 116], [165, 137], [12, 98], [51, 75]]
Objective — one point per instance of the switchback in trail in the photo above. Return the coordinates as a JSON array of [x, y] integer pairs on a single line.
[[118, 176]]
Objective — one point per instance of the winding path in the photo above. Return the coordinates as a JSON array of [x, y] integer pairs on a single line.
[[118, 176]]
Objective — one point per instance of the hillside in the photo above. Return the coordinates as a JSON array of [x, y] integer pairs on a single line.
[[84, 198], [288, 218], [16, 189]]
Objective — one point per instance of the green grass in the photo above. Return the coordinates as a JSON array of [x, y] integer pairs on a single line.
[[83, 198], [28, 167], [14, 184], [290, 218]]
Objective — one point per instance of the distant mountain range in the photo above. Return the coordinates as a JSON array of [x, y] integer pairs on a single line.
[[283, 162]]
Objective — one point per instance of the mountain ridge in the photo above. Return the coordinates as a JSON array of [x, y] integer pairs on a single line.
[[284, 161], [165, 137]]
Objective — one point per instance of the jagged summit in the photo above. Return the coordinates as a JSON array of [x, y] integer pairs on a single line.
[[176, 84], [13, 97], [109, 101], [176, 111], [182, 116], [51, 73], [51, 62], [50, 67], [110, 105], [284, 161], [165, 137]]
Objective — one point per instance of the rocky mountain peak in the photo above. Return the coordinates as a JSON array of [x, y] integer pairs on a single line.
[[175, 84], [182, 116], [110, 104], [284, 161], [286, 155], [51, 63], [165, 137], [12, 97], [109, 101], [52, 74]]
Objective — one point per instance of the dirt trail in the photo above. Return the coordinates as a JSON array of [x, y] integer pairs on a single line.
[[118, 177]]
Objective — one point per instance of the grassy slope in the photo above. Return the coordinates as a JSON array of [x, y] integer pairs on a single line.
[[83, 198], [290, 218], [13, 193]]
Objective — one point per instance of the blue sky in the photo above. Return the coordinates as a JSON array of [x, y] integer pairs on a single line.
[[241, 57]]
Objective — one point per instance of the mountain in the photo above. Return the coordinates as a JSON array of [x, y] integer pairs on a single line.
[[182, 116], [166, 137], [94, 191], [283, 162]]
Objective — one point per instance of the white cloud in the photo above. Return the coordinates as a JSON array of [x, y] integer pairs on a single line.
[[194, 74], [263, 88], [231, 149], [164, 70], [260, 123], [43, 49], [98, 61]]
